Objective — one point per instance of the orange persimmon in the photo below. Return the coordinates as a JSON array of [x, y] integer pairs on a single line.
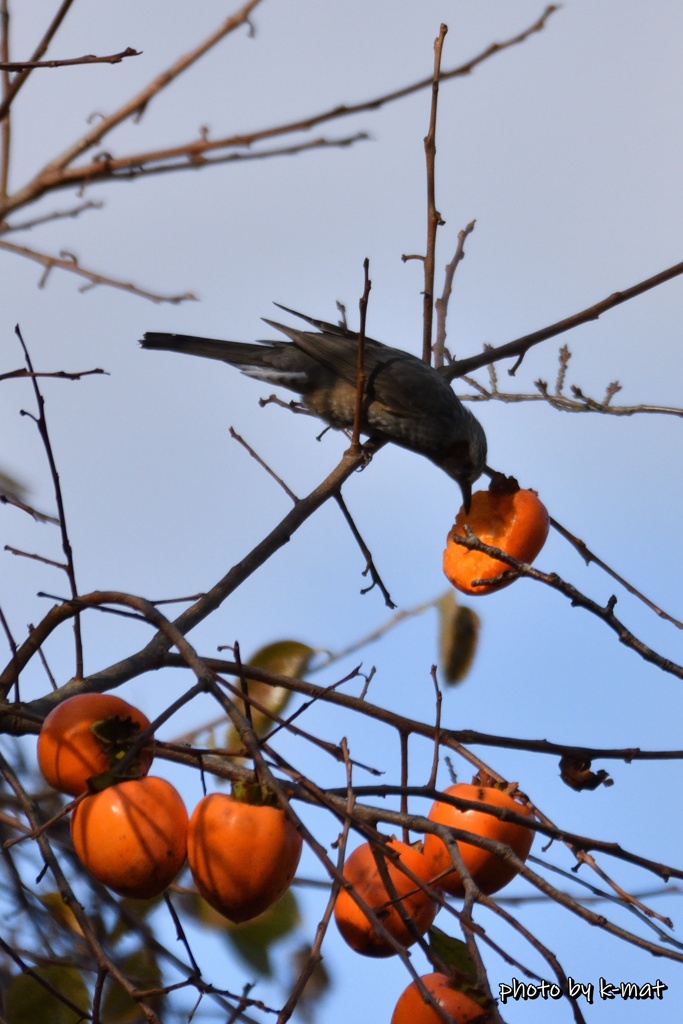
[[489, 872], [132, 836], [514, 520], [243, 856], [361, 871], [412, 1009], [88, 734]]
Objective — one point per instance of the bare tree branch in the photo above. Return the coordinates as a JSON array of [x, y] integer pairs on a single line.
[[605, 613], [58, 173], [68, 262], [74, 211], [139, 102], [563, 403], [189, 157], [42, 46], [69, 568], [114, 58], [5, 130], [521, 346], [441, 304], [148, 657], [24, 374], [434, 219]]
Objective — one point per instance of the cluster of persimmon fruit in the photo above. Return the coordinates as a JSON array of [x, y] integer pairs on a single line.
[[131, 829], [132, 832], [506, 517], [403, 885]]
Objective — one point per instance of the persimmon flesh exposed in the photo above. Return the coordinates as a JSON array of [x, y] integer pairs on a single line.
[[516, 522], [489, 872], [411, 1008], [362, 872]]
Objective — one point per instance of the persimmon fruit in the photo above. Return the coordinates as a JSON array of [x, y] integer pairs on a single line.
[[412, 1009], [132, 836], [516, 521], [489, 872], [243, 856], [361, 871], [88, 734]]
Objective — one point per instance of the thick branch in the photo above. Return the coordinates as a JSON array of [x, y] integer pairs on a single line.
[[150, 656]]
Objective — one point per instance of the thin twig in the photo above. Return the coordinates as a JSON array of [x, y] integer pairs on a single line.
[[75, 211], [568, 590], [315, 956], [403, 737], [360, 365], [41, 423], [441, 304], [536, 944], [40, 49], [376, 102], [434, 219], [437, 727], [114, 58], [579, 403], [37, 558], [264, 465], [589, 556], [378, 633], [24, 374], [189, 157], [5, 127], [68, 262], [40, 517], [13, 648], [369, 561]]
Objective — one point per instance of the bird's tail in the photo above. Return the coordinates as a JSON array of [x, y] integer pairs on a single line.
[[237, 353]]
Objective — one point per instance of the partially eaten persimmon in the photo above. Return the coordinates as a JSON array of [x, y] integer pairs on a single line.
[[505, 517]]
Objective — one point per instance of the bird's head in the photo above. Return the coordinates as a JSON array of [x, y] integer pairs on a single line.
[[466, 458]]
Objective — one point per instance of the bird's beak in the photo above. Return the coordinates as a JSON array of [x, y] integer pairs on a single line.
[[466, 488]]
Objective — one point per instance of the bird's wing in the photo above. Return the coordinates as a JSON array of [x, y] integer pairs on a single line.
[[397, 379], [322, 325], [338, 352]]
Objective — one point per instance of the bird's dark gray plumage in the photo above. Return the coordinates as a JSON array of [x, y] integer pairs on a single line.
[[406, 401]]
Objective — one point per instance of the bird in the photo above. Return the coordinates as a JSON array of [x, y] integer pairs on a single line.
[[405, 401]]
